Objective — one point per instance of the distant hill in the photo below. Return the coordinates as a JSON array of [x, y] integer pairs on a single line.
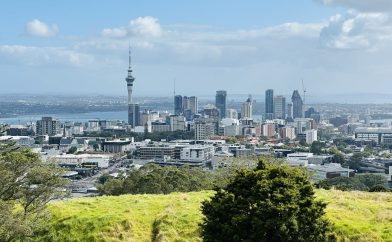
[[357, 216]]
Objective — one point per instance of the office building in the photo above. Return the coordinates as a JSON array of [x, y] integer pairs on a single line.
[[220, 103], [312, 113], [379, 135], [297, 105], [177, 122], [134, 115], [247, 109], [178, 105], [48, 126], [269, 104], [280, 107], [193, 105], [289, 111], [302, 125]]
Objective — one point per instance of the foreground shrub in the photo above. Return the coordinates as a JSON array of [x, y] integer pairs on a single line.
[[270, 203]]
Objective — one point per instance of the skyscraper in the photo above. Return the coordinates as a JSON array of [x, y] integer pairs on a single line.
[[297, 105], [133, 108], [269, 104], [289, 111], [246, 109], [193, 105], [178, 105], [220, 103], [280, 107]]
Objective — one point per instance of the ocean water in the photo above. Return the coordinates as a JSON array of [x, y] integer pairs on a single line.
[[74, 117]]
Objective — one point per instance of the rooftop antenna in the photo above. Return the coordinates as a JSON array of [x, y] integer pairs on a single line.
[[304, 91], [129, 50], [174, 86]]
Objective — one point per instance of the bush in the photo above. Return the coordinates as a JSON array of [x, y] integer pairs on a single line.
[[379, 188], [155, 179], [270, 203], [362, 182]]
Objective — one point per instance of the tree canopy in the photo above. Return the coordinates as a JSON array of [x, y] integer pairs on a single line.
[[155, 179], [269, 203], [26, 186]]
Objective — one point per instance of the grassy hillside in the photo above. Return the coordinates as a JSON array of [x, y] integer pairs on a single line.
[[357, 216]]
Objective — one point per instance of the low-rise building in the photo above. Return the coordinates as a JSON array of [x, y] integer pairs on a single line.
[[117, 146], [330, 170]]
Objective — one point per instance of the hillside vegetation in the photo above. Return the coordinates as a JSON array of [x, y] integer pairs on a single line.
[[357, 216]]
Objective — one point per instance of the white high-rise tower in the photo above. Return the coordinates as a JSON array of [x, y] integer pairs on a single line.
[[130, 79], [133, 109]]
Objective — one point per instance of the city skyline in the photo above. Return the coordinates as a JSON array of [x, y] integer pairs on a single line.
[[332, 45]]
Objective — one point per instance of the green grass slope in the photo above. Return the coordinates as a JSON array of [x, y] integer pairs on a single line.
[[357, 216]]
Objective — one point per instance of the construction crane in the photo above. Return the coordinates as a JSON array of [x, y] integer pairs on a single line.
[[304, 91]]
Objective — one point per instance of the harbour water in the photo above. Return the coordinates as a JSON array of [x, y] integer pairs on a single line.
[[73, 117]]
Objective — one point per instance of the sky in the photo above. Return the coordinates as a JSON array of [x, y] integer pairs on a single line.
[[244, 47]]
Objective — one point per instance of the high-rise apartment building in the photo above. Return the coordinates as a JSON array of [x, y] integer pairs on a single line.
[[220, 103], [269, 104], [280, 107], [203, 130], [48, 126], [297, 105]]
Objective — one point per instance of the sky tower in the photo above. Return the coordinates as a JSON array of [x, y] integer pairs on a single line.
[[133, 109], [130, 79]]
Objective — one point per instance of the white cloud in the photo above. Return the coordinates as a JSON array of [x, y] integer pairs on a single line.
[[356, 30], [147, 26], [142, 26], [362, 5], [275, 56], [41, 29], [115, 32], [43, 56]]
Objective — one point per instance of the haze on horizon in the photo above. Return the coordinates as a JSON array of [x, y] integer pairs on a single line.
[[336, 46]]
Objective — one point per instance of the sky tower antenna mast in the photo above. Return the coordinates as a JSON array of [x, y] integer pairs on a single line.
[[304, 90]]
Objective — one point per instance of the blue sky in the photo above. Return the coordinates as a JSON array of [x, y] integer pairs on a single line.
[[336, 46]]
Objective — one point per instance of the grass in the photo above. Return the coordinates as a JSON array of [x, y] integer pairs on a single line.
[[357, 216]]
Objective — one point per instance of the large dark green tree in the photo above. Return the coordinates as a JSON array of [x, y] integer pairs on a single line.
[[269, 203], [26, 186]]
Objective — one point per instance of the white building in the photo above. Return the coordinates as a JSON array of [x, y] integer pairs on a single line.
[[177, 122], [247, 109], [378, 135], [231, 113], [302, 124], [299, 159], [197, 153], [102, 160], [160, 127], [204, 130], [287, 133], [311, 136], [329, 170]]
